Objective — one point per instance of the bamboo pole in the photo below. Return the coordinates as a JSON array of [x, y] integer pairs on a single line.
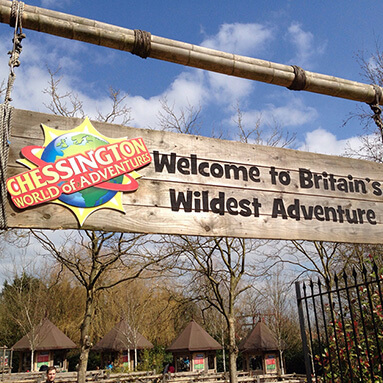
[[94, 32]]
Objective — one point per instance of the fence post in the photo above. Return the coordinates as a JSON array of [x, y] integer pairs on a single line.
[[303, 333]]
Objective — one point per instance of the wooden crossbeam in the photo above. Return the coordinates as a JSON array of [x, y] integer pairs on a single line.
[[94, 32]]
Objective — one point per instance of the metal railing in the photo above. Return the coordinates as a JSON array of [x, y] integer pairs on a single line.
[[342, 326]]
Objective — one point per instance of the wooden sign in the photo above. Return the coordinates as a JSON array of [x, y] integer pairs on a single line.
[[202, 186]]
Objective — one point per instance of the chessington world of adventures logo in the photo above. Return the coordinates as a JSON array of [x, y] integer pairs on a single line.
[[80, 169]]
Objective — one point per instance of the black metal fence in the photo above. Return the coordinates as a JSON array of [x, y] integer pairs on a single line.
[[342, 327]]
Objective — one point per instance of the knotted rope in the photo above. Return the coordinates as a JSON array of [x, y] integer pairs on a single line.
[[142, 43], [375, 107], [6, 109], [299, 82]]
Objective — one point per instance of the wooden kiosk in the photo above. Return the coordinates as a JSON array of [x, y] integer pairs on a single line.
[[122, 345], [260, 351], [194, 350], [50, 348]]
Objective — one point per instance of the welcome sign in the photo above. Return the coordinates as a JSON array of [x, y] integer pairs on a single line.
[[202, 201], [191, 185]]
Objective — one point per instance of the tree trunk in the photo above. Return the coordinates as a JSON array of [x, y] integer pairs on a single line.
[[85, 342], [282, 363], [223, 351], [32, 359], [233, 351]]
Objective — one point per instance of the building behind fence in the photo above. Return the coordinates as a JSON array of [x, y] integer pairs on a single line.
[[342, 327]]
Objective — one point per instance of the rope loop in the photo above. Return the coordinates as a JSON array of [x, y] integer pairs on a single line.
[[15, 9], [5, 124], [377, 110], [6, 109], [18, 35], [299, 82], [142, 43]]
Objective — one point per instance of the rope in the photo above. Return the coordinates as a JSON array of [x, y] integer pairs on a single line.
[[142, 43], [5, 123], [6, 109], [299, 82], [18, 36], [375, 107]]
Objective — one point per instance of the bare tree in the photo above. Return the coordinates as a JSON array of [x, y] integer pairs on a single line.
[[132, 304], [118, 110], [311, 259], [277, 301], [99, 261], [272, 135], [25, 301], [370, 147], [17, 238], [214, 323], [216, 267], [97, 254], [186, 121], [67, 104]]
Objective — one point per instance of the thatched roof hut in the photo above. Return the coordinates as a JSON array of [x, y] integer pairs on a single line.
[[260, 350], [121, 344], [194, 349], [50, 347]]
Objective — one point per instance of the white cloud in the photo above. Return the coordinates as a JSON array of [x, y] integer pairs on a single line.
[[55, 3], [226, 89], [193, 87], [187, 89], [294, 113], [306, 48], [323, 141], [145, 112], [243, 39], [32, 75]]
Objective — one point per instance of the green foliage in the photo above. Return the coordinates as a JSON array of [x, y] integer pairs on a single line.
[[144, 365], [355, 334], [94, 360], [154, 359], [10, 332], [21, 307], [294, 357], [220, 355], [72, 358]]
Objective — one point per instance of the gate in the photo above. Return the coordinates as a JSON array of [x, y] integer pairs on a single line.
[[341, 325]]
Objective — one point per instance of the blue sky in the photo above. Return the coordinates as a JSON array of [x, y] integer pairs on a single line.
[[320, 36], [323, 37]]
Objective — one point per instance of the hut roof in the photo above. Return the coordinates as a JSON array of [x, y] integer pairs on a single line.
[[194, 338], [121, 337], [48, 337], [259, 339]]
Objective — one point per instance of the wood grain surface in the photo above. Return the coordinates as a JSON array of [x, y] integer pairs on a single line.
[[202, 186]]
